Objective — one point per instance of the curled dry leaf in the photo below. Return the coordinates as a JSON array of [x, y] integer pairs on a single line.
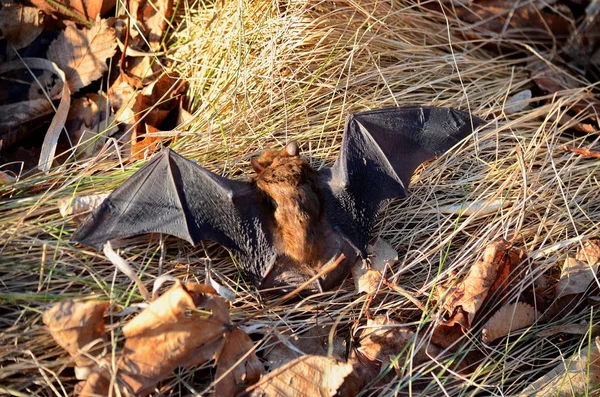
[[15, 114], [573, 329], [82, 53], [166, 334], [383, 340], [510, 317], [89, 122], [577, 273], [306, 376], [6, 178], [58, 121], [73, 325], [19, 24], [154, 17], [235, 377], [517, 102], [80, 206], [144, 148], [574, 376], [480, 208], [490, 274], [368, 279]]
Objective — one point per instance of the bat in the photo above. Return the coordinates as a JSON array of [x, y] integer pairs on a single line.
[[290, 220]]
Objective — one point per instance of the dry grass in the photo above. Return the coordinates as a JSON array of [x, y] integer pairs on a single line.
[[261, 74]]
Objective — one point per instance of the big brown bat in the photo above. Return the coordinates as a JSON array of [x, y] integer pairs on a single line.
[[290, 220]]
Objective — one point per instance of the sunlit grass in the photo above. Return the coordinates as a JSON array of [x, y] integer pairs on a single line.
[[262, 73]]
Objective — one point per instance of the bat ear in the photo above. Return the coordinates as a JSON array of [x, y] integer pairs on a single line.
[[256, 166], [292, 148]]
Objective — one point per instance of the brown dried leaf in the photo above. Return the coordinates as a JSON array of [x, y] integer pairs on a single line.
[[85, 9], [89, 122], [144, 148], [18, 113], [509, 318], [19, 24], [577, 273], [573, 329], [96, 384], [235, 377], [82, 53], [369, 280], [154, 17], [75, 324], [80, 206], [489, 274], [6, 178], [575, 376], [383, 340], [306, 376], [166, 335]]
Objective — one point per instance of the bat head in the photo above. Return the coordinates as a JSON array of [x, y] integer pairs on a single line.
[[283, 166], [272, 157]]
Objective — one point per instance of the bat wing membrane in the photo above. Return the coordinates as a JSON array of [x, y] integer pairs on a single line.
[[172, 195], [380, 151]]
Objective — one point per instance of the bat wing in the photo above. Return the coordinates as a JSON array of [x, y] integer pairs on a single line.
[[172, 195], [380, 151]]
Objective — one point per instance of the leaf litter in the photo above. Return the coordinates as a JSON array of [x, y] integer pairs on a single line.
[[487, 309]]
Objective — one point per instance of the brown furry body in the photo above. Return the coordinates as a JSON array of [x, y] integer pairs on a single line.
[[304, 240]]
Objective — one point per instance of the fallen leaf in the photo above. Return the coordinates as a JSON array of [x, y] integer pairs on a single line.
[[382, 340], [19, 24], [82, 10], [306, 376], [368, 277], [503, 22], [167, 335], [73, 325], [235, 377], [80, 206], [446, 334], [82, 53], [492, 273], [154, 17], [479, 207], [58, 121], [577, 273], [16, 114], [510, 317], [517, 102], [147, 146], [573, 329], [89, 122], [6, 178], [574, 376]]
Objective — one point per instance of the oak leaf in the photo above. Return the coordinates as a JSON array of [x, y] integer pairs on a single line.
[[82, 53], [306, 376]]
